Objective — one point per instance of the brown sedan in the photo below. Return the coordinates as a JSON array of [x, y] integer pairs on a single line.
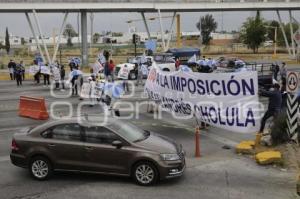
[[84, 144]]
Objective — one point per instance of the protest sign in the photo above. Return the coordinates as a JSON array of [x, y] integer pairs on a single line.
[[45, 70], [56, 73], [224, 100], [34, 69], [123, 73]]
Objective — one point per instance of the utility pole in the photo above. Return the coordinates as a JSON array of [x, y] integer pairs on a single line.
[[178, 32]]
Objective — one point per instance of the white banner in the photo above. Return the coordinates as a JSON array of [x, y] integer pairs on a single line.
[[224, 100], [34, 69], [45, 70]]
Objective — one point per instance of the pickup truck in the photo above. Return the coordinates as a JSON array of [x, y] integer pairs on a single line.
[[264, 70]]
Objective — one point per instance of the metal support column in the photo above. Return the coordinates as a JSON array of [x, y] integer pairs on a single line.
[[92, 32], [146, 25], [292, 34], [41, 35], [84, 42], [171, 31], [59, 37], [283, 32], [178, 32], [35, 37], [162, 31]]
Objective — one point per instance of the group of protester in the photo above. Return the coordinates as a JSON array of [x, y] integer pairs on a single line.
[[203, 65], [16, 71]]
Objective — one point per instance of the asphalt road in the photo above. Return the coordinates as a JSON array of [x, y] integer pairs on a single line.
[[219, 173]]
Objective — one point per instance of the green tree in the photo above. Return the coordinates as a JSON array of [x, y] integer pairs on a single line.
[[1, 46], [206, 26], [253, 32], [69, 32], [7, 43], [280, 37], [96, 37]]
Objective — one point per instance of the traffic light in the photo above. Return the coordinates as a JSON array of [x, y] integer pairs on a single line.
[[136, 39]]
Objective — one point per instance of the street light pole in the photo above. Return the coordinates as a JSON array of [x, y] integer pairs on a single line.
[[275, 43], [275, 39]]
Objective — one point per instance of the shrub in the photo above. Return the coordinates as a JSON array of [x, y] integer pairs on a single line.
[[279, 129]]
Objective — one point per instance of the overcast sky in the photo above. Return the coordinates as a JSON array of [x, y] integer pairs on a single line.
[[18, 25]]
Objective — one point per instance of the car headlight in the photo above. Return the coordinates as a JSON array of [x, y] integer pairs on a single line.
[[170, 157]]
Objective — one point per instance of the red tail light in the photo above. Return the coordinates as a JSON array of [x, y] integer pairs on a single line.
[[14, 146]]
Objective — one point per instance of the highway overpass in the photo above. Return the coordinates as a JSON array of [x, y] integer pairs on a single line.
[[141, 6], [146, 5]]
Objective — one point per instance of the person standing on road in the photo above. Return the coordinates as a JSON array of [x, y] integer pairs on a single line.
[[275, 102], [177, 63], [92, 96], [62, 77], [276, 70], [23, 69], [46, 78], [125, 82], [283, 73], [38, 73], [18, 74], [106, 70], [139, 75], [111, 68], [74, 77], [11, 66]]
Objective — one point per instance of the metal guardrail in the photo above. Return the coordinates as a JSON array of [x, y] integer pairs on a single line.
[[144, 1]]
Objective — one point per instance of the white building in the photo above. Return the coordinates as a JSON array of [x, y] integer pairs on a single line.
[[13, 40]]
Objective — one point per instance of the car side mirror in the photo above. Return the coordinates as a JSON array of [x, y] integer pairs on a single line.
[[117, 143]]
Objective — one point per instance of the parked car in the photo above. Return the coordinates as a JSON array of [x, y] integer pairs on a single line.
[[84, 145]]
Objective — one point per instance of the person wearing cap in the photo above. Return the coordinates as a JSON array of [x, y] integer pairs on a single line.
[[274, 107]]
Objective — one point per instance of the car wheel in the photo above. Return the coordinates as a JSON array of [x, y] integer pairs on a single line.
[[145, 173], [40, 168], [132, 75]]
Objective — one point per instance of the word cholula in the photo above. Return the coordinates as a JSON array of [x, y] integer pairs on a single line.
[[226, 100]]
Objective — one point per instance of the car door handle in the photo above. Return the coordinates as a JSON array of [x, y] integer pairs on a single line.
[[51, 145], [89, 148]]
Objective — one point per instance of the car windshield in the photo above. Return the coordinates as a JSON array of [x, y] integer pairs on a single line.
[[129, 131]]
